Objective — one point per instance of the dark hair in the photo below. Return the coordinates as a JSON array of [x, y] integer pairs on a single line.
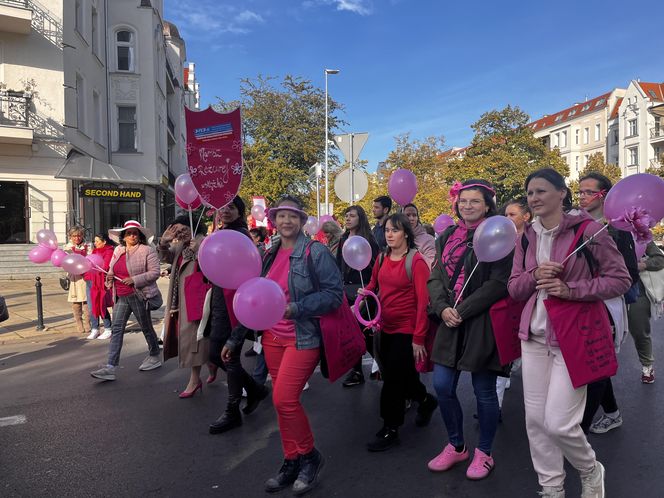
[[363, 228], [141, 237], [522, 202], [104, 237], [241, 207], [403, 210], [385, 201], [555, 179], [259, 232], [183, 219], [487, 193], [603, 181], [400, 222]]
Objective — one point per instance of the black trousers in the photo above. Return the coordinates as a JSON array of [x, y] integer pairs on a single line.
[[400, 379], [237, 376], [600, 393]]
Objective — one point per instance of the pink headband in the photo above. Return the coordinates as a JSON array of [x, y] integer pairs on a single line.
[[457, 187]]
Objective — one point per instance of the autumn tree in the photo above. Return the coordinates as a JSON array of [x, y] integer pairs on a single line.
[[283, 134]]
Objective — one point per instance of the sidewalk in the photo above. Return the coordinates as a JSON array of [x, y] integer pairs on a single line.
[[58, 319]]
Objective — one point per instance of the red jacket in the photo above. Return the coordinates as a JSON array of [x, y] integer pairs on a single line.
[[100, 295]]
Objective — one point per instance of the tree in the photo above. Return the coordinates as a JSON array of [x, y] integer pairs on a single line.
[[283, 134], [505, 151]]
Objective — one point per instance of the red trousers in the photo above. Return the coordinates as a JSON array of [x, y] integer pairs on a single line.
[[290, 369]]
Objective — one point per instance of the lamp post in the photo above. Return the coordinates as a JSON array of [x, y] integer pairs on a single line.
[[327, 178]]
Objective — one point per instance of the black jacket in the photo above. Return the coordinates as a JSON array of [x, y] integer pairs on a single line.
[[351, 277]]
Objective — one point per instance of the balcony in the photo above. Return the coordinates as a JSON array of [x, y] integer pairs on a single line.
[[15, 17], [656, 133], [15, 118]]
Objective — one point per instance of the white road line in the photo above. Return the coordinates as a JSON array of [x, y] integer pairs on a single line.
[[15, 420]]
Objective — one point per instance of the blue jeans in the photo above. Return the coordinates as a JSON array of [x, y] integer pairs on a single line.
[[260, 369], [124, 307], [94, 320], [445, 380]]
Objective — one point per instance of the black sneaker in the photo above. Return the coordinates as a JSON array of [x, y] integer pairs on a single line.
[[254, 397], [285, 477], [310, 467], [425, 410], [230, 419], [386, 438], [354, 378]]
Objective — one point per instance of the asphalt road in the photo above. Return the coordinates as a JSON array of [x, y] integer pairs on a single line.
[[63, 433]]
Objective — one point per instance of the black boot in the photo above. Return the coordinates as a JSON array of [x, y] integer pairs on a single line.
[[230, 419], [255, 395], [286, 476], [386, 438], [354, 378], [310, 467], [425, 410]]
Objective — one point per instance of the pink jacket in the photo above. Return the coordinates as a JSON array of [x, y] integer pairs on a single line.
[[143, 266], [425, 244], [613, 278]]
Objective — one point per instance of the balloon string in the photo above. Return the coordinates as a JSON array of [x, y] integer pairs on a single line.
[[199, 219], [465, 284], [106, 273], [362, 283], [191, 221], [585, 243]]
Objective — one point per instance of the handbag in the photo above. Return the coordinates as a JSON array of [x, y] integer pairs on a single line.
[[342, 342], [65, 283], [195, 290], [653, 281], [584, 334], [505, 321], [4, 312]]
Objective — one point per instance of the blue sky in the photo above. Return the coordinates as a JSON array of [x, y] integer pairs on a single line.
[[428, 67]]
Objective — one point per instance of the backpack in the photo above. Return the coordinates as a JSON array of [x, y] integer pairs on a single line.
[[409, 262]]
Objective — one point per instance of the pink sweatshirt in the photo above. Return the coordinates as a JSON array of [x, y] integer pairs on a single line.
[[613, 278]]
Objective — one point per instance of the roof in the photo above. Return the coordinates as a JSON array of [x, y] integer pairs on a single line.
[[452, 153], [654, 91], [570, 113], [614, 112]]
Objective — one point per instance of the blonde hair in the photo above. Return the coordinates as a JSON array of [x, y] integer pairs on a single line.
[[76, 230]]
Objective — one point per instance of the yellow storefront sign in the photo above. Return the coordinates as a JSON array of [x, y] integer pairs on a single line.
[[114, 193]]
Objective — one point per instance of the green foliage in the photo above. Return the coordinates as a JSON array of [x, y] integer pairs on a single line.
[[283, 134]]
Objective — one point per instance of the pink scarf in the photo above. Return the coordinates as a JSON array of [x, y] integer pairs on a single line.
[[454, 248]]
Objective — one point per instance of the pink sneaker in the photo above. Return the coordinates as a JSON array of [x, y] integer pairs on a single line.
[[480, 467], [447, 459]]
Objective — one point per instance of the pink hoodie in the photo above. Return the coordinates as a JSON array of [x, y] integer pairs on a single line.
[[613, 278]]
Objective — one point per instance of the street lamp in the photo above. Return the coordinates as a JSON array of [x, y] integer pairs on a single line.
[[327, 178]]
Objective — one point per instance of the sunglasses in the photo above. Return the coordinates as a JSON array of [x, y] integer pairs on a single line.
[[131, 234]]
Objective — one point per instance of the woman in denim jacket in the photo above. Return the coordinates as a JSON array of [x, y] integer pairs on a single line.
[[292, 347]]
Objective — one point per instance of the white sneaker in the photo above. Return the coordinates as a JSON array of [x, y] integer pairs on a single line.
[[552, 492], [306, 387], [105, 335], [592, 485], [150, 363], [94, 333]]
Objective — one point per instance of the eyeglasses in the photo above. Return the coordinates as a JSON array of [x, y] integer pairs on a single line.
[[131, 234], [587, 193], [470, 202]]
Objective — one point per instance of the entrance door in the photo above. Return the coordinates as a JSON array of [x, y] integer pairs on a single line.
[[13, 212], [115, 213]]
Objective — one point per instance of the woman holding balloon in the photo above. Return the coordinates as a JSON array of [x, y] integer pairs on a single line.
[[308, 276], [473, 262], [404, 325], [544, 274], [78, 288], [355, 276]]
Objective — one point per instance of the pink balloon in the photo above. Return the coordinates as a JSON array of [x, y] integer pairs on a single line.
[[640, 249], [40, 254], [636, 191], [229, 258], [194, 205], [357, 252], [402, 186], [97, 262], [441, 223], [259, 304], [47, 238], [494, 239], [57, 257], [312, 226], [185, 189], [76, 264], [258, 212], [324, 218]]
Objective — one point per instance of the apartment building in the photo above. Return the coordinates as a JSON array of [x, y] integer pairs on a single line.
[[92, 127]]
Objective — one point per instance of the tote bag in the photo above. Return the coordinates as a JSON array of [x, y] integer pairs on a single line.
[[195, 290], [505, 320]]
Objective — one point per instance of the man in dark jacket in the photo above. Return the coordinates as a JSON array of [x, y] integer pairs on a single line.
[[381, 210]]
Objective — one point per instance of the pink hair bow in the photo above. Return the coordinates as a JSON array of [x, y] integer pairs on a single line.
[[454, 191]]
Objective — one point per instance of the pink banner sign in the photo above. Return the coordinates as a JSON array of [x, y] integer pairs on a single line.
[[214, 154]]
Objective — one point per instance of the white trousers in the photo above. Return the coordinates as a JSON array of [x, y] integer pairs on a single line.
[[554, 410]]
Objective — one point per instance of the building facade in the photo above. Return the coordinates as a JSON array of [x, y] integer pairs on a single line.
[[92, 128]]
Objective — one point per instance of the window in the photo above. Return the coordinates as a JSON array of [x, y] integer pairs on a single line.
[[598, 132], [632, 156], [616, 136], [563, 139], [576, 137], [585, 108], [80, 103], [559, 117], [586, 133], [556, 140], [652, 94], [572, 112], [632, 129], [125, 50], [576, 163], [78, 17], [600, 102], [95, 28], [96, 105], [127, 129], [586, 159]]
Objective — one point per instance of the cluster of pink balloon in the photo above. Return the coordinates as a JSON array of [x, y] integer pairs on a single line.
[[313, 224], [186, 195], [47, 250]]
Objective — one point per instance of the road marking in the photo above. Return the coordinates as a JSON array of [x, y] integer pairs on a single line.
[[15, 420]]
